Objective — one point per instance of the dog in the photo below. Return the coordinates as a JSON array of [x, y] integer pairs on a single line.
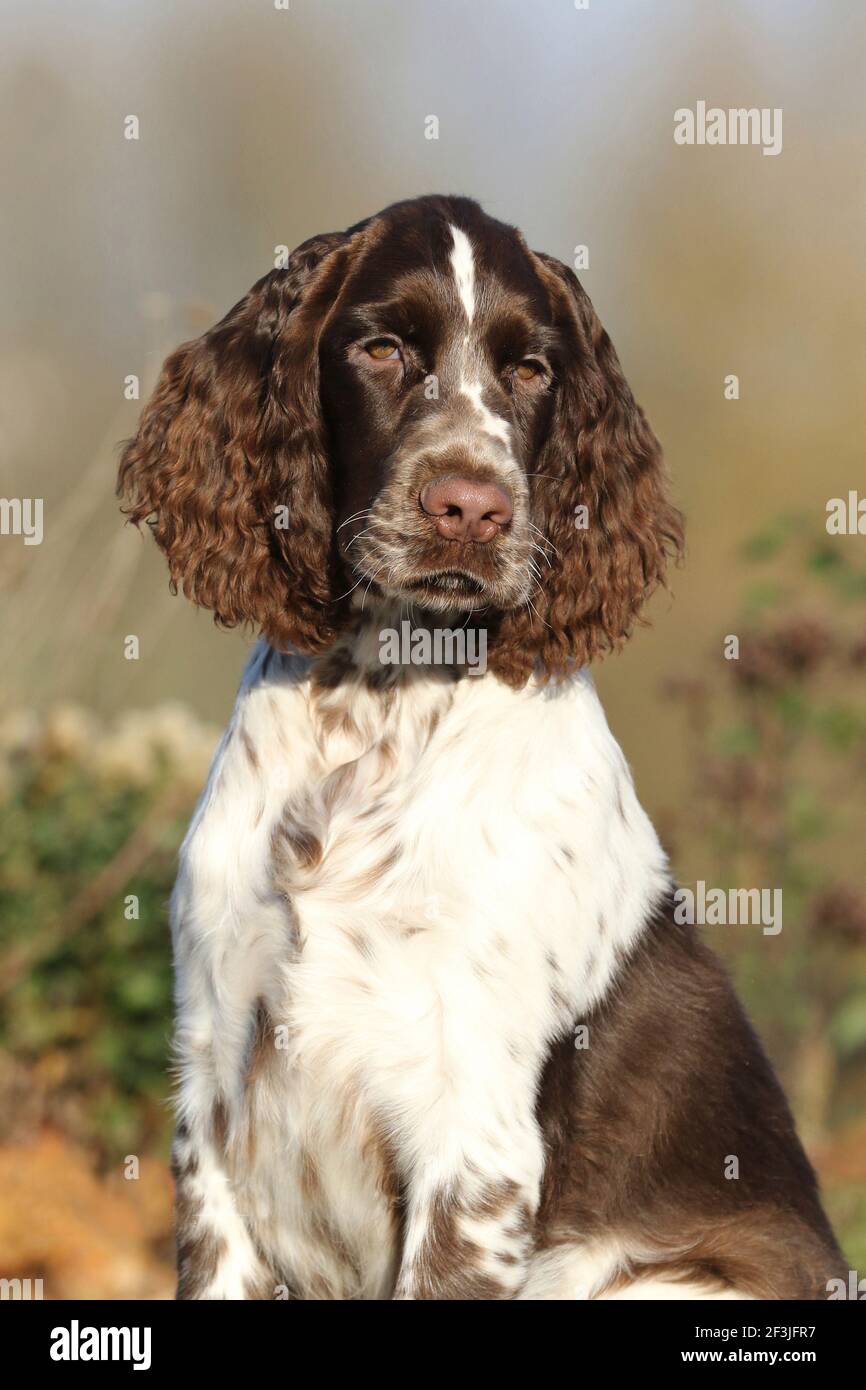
[[439, 1034]]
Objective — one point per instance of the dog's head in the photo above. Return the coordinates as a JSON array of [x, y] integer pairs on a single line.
[[422, 408]]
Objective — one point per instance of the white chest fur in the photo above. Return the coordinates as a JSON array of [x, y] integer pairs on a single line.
[[417, 893]]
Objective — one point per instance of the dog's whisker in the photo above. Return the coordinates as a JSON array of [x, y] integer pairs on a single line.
[[350, 591], [535, 546], [367, 511], [366, 531], [373, 577], [532, 606], [545, 539]]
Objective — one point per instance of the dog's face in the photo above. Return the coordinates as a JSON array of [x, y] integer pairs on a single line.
[[438, 371], [421, 408]]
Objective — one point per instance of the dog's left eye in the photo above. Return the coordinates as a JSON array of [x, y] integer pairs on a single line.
[[383, 350], [528, 370]]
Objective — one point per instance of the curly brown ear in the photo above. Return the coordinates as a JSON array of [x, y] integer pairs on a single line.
[[229, 465], [600, 499]]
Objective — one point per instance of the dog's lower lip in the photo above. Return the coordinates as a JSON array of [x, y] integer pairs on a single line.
[[449, 581]]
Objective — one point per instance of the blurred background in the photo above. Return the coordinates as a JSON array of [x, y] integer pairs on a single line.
[[258, 127]]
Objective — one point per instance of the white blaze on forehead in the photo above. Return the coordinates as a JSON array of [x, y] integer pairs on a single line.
[[492, 423], [463, 265]]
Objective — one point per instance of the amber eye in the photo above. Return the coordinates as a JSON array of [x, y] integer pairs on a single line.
[[527, 371], [383, 350]]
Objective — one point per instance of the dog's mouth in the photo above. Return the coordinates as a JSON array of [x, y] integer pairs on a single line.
[[435, 575], [446, 590], [451, 583]]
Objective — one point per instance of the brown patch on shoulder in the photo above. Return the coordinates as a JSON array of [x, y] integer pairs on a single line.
[[303, 844], [336, 719], [220, 1123]]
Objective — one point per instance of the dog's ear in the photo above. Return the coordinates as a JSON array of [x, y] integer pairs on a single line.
[[600, 498], [229, 464]]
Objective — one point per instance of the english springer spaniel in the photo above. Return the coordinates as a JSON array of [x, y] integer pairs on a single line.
[[439, 1035]]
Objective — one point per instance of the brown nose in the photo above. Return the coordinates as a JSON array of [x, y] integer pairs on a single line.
[[465, 510]]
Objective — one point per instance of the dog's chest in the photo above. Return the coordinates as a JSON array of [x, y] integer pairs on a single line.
[[432, 952], [431, 892], [428, 873]]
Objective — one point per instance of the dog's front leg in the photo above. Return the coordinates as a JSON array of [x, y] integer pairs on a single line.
[[471, 1196], [468, 1240], [218, 982], [216, 1257], [467, 1236]]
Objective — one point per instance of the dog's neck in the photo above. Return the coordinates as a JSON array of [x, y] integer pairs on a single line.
[[392, 644]]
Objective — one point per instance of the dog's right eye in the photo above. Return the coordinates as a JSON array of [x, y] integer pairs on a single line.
[[383, 350]]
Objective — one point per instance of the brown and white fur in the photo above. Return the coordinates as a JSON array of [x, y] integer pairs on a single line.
[[405, 887]]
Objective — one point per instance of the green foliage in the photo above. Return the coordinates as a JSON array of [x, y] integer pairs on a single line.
[[86, 978]]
